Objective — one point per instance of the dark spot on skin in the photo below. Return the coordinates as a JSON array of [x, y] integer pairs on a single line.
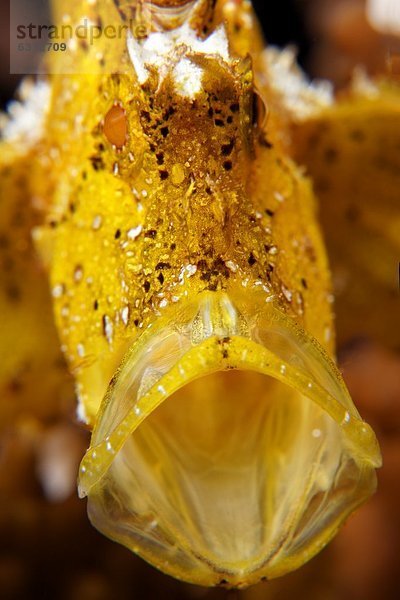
[[322, 185], [96, 305], [164, 131], [223, 582], [226, 149], [269, 270], [160, 158], [173, 246], [13, 293], [97, 163], [206, 276], [234, 107], [136, 322], [169, 112], [84, 175], [164, 175], [213, 287], [72, 208], [330, 155], [219, 122], [227, 164], [145, 115], [160, 278], [150, 233], [15, 385], [229, 119], [263, 141], [357, 135], [252, 259], [225, 353], [162, 265], [146, 286], [269, 212], [210, 112], [117, 234], [202, 265], [352, 213], [304, 283], [208, 191]]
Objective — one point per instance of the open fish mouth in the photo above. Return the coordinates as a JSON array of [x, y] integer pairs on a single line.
[[227, 448]]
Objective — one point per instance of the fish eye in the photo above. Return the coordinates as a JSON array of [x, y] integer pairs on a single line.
[[115, 126]]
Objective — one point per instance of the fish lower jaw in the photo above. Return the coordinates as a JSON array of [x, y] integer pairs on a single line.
[[222, 459]]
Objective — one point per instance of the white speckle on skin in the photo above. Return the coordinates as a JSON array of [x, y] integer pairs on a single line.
[[78, 274], [57, 291], [80, 350], [283, 369], [137, 410], [232, 266], [97, 221], [278, 196], [162, 390], [134, 232], [287, 293], [191, 270], [108, 328], [125, 315], [316, 433]]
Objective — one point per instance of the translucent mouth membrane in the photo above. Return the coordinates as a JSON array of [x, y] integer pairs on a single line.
[[227, 448]]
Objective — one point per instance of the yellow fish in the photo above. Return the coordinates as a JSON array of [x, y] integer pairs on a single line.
[[352, 152], [192, 294]]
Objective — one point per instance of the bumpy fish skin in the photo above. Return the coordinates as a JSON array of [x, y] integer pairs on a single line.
[[189, 258], [351, 152]]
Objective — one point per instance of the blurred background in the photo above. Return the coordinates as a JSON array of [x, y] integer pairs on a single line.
[[48, 548]]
